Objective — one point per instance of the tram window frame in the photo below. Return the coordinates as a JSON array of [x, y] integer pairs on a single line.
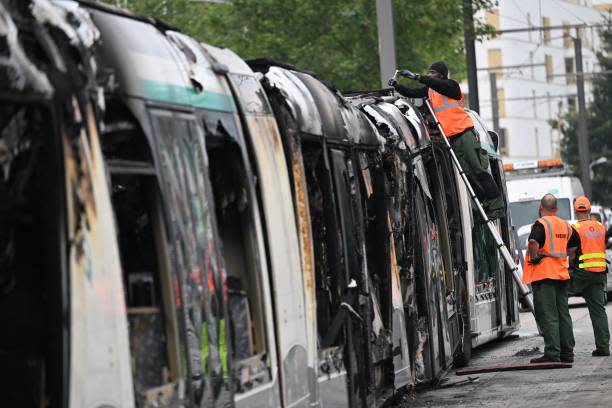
[[424, 244], [159, 300], [246, 287], [317, 178], [122, 134], [371, 180], [184, 165], [446, 215]]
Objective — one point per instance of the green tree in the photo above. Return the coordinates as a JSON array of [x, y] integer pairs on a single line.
[[599, 120], [336, 39]]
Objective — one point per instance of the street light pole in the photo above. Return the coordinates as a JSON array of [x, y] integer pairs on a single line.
[[583, 136], [386, 40]]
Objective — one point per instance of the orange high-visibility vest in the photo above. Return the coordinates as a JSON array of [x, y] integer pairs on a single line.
[[450, 113], [592, 245], [554, 264]]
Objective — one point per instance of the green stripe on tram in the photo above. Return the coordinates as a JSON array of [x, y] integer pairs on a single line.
[[182, 95]]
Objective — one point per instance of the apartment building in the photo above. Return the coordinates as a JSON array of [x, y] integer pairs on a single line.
[[535, 71]]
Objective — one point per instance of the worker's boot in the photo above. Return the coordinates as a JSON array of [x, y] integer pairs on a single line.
[[545, 359], [600, 353]]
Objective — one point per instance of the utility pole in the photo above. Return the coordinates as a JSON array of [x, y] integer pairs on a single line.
[[494, 101], [583, 135], [470, 54], [386, 40]]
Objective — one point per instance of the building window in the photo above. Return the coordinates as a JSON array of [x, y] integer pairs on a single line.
[[501, 102], [571, 104], [548, 62], [570, 77], [545, 32], [567, 35], [492, 18], [495, 58]]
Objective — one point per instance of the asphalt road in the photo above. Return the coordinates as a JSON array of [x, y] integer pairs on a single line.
[[587, 384]]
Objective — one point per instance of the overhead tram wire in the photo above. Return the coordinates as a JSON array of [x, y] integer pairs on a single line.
[[542, 28], [521, 11]]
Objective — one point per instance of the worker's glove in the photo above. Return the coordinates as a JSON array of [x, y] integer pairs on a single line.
[[392, 82], [409, 74], [536, 260]]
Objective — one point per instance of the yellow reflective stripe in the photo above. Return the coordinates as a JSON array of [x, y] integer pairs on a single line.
[[592, 265], [591, 256]]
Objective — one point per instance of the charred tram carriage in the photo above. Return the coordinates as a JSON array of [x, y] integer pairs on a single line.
[[280, 244]]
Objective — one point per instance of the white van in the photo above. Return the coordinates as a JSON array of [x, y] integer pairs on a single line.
[[528, 182]]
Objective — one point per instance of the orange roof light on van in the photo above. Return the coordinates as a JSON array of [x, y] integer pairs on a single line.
[[535, 164]]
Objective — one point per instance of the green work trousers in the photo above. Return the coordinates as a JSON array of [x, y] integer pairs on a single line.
[[553, 317], [592, 287], [475, 163]]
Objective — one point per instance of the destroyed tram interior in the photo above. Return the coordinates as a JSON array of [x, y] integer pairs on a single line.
[[184, 228]]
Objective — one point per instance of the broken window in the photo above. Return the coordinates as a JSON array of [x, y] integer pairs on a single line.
[[151, 290], [252, 96], [138, 213], [378, 250], [333, 286], [235, 211], [32, 247], [196, 253]]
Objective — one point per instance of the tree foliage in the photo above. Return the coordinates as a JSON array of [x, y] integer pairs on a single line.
[[336, 39], [599, 122]]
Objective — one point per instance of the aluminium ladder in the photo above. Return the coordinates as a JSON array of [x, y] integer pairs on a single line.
[[524, 292]]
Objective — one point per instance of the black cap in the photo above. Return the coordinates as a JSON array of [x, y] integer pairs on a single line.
[[440, 67]]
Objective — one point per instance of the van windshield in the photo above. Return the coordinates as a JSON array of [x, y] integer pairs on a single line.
[[526, 212]]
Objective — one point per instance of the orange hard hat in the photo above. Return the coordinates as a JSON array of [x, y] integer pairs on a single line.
[[582, 204]]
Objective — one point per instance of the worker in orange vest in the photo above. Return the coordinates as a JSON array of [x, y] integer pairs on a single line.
[[546, 269], [588, 272], [447, 102]]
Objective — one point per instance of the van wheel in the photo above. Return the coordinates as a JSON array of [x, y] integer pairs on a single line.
[[464, 353]]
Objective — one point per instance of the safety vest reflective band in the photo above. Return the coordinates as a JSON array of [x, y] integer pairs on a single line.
[[450, 113], [551, 240], [592, 265], [446, 104], [592, 245], [591, 256], [554, 264]]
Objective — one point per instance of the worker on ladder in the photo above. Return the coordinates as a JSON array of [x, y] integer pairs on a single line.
[[546, 269], [447, 101], [588, 272]]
